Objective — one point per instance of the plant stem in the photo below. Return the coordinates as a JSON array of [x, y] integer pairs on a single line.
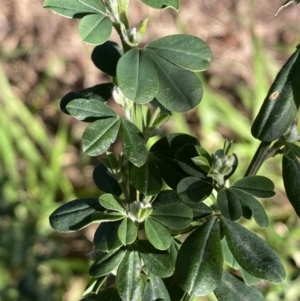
[[187, 297], [260, 156]]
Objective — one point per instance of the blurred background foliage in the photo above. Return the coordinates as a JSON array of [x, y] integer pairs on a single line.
[[41, 163]]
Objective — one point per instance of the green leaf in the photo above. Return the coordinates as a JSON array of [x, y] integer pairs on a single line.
[[185, 51], [109, 294], [74, 215], [95, 29], [175, 291], [94, 4], [106, 237], [166, 197], [293, 151], [200, 210], [256, 207], [100, 92], [107, 217], [94, 285], [133, 144], [234, 289], [112, 202], [128, 282], [228, 257], [107, 263], [98, 137], [146, 178], [158, 262], [127, 232], [229, 204], [84, 108], [192, 189], [155, 289], [281, 103], [249, 279], [157, 234], [69, 8], [174, 216], [106, 56], [184, 158], [162, 3], [174, 93], [200, 261], [291, 181], [258, 186], [105, 180], [137, 77], [252, 253]]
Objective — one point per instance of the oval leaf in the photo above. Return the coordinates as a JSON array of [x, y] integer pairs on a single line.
[[162, 3], [106, 56], [155, 289], [128, 282], [174, 93], [95, 4], [174, 216], [158, 262], [133, 142], [291, 181], [157, 234], [107, 263], [112, 202], [186, 51], [95, 29], [146, 178], [234, 289], [281, 104], [127, 231], [258, 186], [74, 215], [106, 237], [199, 264], [137, 77], [229, 204], [107, 217], [98, 137], [252, 253], [85, 108], [192, 189]]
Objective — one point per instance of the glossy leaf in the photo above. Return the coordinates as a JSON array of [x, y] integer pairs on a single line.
[[100, 92], [157, 234], [228, 257], [199, 263], [234, 289], [256, 207], [98, 137], [166, 197], [82, 109], [95, 29], [291, 181], [74, 215], [281, 104], [252, 253], [109, 294], [94, 285], [292, 151], [94, 4], [158, 262], [200, 210], [147, 178], [112, 202], [192, 189], [249, 279], [106, 237], [107, 263], [106, 56], [155, 289], [174, 216], [174, 93], [133, 144], [258, 186], [162, 3], [69, 8], [127, 231], [137, 77], [105, 181], [128, 282], [229, 204], [185, 51]]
